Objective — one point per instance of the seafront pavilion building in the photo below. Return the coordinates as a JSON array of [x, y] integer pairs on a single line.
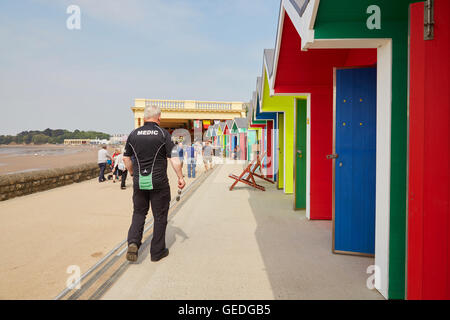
[[183, 114]]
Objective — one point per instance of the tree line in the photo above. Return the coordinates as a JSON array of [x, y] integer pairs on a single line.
[[50, 136]]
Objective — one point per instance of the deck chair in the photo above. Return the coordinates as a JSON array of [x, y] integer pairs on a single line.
[[260, 166], [247, 176]]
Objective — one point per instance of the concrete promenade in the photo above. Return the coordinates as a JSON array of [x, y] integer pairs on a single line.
[[244, 244]]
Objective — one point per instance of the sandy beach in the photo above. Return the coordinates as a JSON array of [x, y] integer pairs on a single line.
[[15, 159], [42, 234]]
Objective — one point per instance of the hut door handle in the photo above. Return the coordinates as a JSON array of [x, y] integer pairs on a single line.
[[332, 156]]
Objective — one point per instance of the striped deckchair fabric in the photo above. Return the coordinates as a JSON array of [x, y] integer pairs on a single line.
[[247, 176]]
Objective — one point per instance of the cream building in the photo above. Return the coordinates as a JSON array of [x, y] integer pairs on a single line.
[[183, 113]]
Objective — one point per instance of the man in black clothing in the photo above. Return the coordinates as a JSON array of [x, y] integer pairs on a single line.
[[145, 156]]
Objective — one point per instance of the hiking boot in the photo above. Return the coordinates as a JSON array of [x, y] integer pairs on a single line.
[[132, 253], [163, 255]]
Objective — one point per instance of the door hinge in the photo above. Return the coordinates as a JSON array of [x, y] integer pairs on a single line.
[[428, 33]]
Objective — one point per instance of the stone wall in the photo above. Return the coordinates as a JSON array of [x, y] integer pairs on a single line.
[[20, 184]]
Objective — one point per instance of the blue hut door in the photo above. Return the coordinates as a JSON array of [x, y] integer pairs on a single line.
[[354, 167]]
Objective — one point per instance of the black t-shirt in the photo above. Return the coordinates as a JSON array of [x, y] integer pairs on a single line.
[[149, 147]]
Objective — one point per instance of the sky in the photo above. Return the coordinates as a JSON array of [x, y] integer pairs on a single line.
[[87, 79]]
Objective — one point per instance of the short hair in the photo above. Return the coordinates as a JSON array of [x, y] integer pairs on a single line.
[[151, 112]]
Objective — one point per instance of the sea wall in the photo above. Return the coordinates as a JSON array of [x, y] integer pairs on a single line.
[[20, 184]]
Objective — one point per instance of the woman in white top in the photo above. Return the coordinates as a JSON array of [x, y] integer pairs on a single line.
[[119, 165]]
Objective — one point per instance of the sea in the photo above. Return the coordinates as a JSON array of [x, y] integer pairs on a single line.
[[33, 152], [36, 151]]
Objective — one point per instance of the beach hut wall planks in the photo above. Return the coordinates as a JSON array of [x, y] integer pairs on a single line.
[[429, 156], [280, 150], [271, 161], [252, 134], [259, 126]]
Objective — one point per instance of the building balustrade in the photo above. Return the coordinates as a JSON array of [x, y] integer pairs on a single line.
[[213, 106], [193, 105], [166, 104], [178, 113]]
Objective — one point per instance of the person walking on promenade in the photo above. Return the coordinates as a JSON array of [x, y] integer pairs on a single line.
[[180, 150], [115, 170], [191, 160], [150, 146], [120, 170], [207, 155], [103, 157]]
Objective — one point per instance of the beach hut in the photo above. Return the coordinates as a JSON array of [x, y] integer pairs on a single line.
[[208, 133], [231, 138], [259, 126], [383, 26], [270, 132], [239, 128], [215, 139], [251, 133], [222, 138]]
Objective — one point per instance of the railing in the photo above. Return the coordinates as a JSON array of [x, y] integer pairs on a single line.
[[166, 104], [212, 106], [193, 105]]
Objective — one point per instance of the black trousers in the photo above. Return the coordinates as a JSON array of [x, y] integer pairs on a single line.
[[101, 176], [122, 174], [160, 201]]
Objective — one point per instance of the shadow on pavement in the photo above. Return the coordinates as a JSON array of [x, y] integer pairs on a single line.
[[297, 252]]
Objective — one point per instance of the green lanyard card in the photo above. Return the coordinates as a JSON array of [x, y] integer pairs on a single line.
[[146, 182]]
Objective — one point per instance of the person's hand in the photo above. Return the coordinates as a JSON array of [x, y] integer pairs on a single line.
[[181, 183]]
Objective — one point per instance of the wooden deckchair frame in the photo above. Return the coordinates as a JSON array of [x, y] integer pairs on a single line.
[[250, 171]]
